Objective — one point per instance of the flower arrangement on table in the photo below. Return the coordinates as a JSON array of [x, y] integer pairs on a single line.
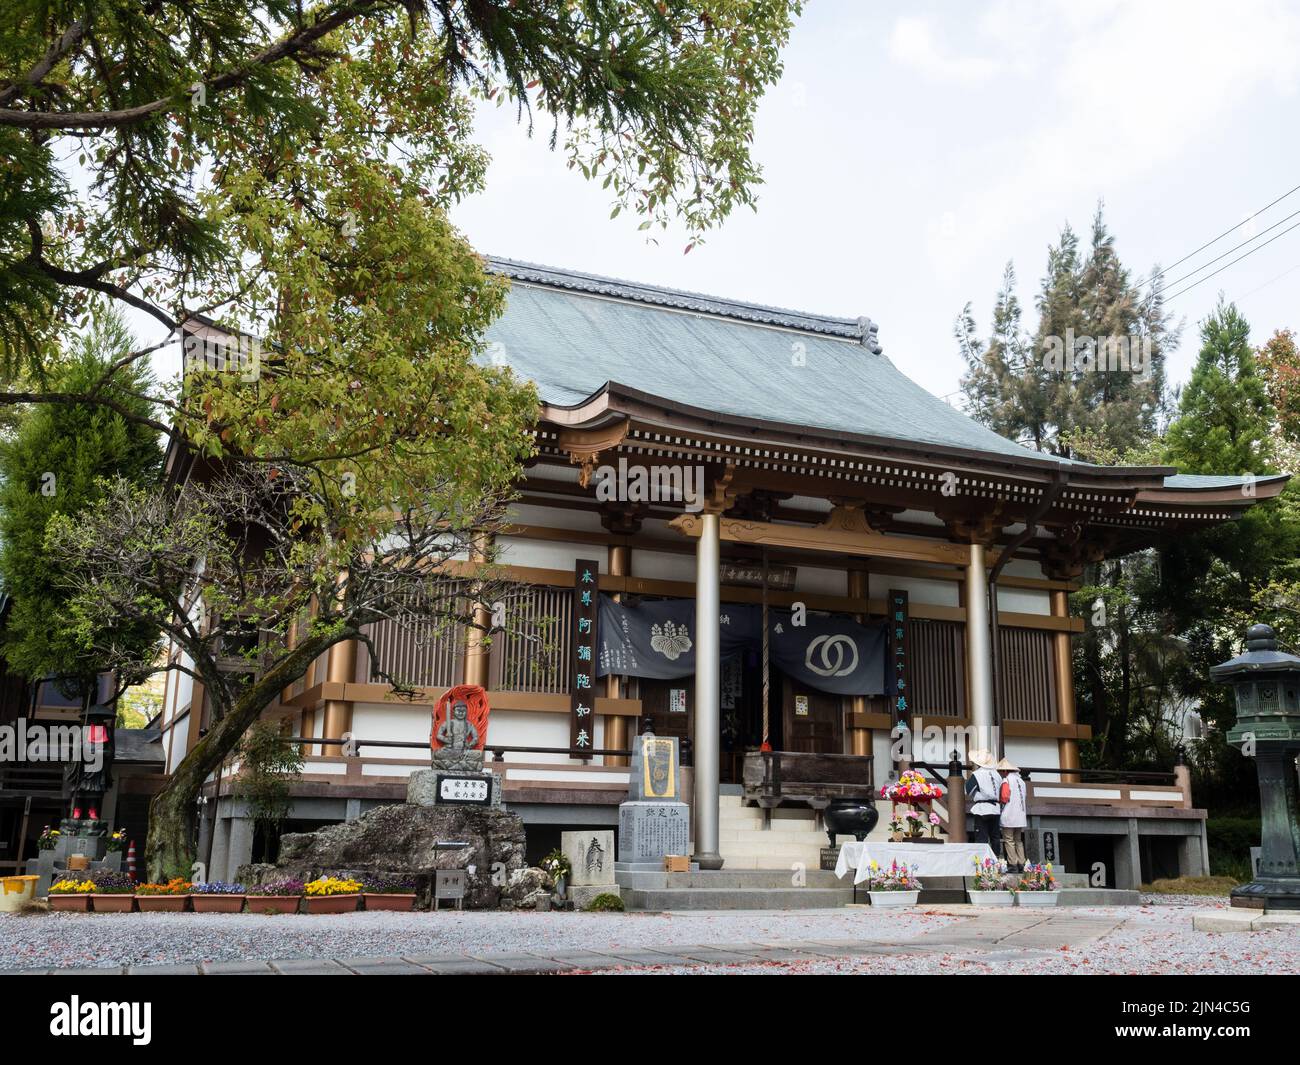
[[990, 875], [1037, 877], [897, 877], [914, 793], [332, 894], [48, 839], [116, 842]]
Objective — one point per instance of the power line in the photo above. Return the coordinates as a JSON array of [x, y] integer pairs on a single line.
[[1225, 266]]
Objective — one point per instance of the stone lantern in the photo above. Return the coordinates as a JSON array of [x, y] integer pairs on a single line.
[[1266, 683]]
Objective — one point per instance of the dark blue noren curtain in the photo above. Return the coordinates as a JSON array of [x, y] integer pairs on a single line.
[[829, 653]]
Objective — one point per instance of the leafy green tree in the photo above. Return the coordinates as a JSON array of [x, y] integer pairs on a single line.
[[1225, 420], [268, 767], [1279, 364], [53, 464]]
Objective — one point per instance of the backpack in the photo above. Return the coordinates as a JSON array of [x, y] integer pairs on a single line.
[[1004, 795]]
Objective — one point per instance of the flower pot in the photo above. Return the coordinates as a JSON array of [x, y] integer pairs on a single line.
[[991, 898], [114, 903], [896, 899], [217, 903], [70, 903], [331, 903], [274, 903], [161, 903], [1037, 898], [850, 817], [393, 902]]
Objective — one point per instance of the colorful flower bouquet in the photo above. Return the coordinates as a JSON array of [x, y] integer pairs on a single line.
[[114, 891], [48, 839], [991, 885], [71, 895], [382, 892], [170, 897], [216, 896], [329, 894], [915, 794], [896, 885], [116, 842], [1037, 886], [276, 896]]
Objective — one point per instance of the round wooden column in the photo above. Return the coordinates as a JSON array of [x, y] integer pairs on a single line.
[[341, 668], [619, 564], [859, 738], [1067, 749], [477, 652]]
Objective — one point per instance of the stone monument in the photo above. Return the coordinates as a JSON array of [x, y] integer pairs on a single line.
[[654, 822], [591, 865]]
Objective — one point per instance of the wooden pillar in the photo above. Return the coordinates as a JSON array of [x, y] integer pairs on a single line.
[[477, 652], [708, 716], [1067, 749], [859, 738], [341, 668], [619, 564]]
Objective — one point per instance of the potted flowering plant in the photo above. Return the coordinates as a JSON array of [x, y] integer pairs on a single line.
[[170, 897], [216, 896], [1037, 886], [990, 886], [275, 896], [114, 891], [381, 892], [71, 895], [896, 885], [116, 842], [915, 794], [330, 894]]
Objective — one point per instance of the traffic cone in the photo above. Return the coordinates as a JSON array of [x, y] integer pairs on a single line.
[[130, 860]]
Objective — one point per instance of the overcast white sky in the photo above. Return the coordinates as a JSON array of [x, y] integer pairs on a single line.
[[912, 148]]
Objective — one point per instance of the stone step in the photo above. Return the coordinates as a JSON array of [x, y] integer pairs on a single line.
[[808, 898], [725, 878], [775, 835]]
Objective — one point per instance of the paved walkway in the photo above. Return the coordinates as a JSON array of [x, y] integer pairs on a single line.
[[993, 936]]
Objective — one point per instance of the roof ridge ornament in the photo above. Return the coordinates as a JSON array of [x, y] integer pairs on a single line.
[[868, 333]]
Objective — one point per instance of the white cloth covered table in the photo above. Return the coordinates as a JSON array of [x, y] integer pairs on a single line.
[[930, 859]]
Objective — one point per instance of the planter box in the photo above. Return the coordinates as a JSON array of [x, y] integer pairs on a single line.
[[114, 903], [331, 903], [992, 898], [274, 903], [217, 903], [897, 899], [1037, 898], [161, 903], [70, 903], [398, 903]]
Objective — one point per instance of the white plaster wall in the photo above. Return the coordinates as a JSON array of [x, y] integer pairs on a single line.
[[546, 554], [556, 517], [817, 581], [663, 566], [384, 721], [1024, 600], [177, 742], [1027, 751], [523, 728], [930, 593], [184, 684]]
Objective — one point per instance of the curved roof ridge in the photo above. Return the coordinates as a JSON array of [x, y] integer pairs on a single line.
[[862, 329]]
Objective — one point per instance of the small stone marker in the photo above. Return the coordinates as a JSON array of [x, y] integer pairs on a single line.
[[591, 857]]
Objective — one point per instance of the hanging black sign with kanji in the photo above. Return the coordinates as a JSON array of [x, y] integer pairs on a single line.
[[582, 720], [900, 687]]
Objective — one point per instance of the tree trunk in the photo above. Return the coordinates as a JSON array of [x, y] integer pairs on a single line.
[[170, 844]]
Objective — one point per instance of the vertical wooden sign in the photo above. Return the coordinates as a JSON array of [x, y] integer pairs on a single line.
[[582, 696], [899, 652]]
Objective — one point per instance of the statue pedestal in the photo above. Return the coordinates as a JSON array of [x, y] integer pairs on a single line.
[[443, 787]]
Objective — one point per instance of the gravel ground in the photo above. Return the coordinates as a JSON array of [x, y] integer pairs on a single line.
[[1155, 938], [69, 939]]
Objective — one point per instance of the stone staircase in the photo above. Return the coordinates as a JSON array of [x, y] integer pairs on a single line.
[[794, 838], [735, 889]]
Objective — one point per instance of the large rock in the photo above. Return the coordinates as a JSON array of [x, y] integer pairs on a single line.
[[401, 840]]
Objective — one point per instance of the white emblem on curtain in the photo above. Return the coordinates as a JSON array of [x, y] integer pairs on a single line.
[[669, 640], [830, 653]]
